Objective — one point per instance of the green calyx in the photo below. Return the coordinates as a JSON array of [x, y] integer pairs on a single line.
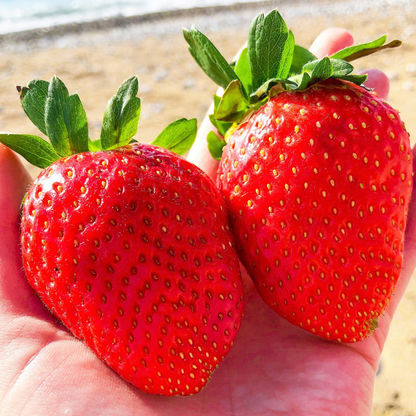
[[372, 324], [271, 63], [62, 118]]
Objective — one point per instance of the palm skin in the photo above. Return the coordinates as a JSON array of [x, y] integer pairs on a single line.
[[274, 368]]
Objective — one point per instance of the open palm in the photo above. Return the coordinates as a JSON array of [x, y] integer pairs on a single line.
[[273, 369]]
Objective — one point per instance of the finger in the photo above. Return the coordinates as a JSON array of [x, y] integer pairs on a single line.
[[409, 254], [16, 296], [199, 154], [378, 81], [409, 264], [330, 41]]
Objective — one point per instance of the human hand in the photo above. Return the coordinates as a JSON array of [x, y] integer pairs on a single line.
[[274, 367], [345, 394]]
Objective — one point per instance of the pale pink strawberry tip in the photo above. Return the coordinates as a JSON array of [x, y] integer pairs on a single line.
[[131, 249]]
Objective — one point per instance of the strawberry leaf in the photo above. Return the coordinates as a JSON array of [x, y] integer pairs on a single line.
[[262, 92], [65, 120], [94, 145], [54, 117], [233, 104], [209, 58], [215, 145], [243, 71], [287, 56], [341, 68], [130, 120], [33, 100], [34, 149], [178, 137], [76, 123], [301, 56], [312, 72], [270, 48], [302, 80], [354, 52], [121, 116], [356, 79], [319, 70], [222, 126], [322, 69]]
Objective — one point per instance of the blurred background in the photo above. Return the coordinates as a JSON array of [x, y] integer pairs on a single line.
[[95, 45]]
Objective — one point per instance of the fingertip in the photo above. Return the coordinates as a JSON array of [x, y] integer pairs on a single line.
[[330, 41], [17, 297], [199, 154], [378, 81]]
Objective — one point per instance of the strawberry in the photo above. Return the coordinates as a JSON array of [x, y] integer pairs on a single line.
[[317, 174], [129, 245]]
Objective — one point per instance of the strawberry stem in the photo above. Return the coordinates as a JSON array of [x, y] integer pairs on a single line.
[[121, 117], [272, 63], [62, 118]]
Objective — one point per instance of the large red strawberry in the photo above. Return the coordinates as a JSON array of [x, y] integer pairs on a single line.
[[130, 248], [317, 174]]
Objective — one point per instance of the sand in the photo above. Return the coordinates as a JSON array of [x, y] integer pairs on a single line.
[[93, 59]]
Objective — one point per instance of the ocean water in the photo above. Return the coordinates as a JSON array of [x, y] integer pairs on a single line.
[[19, 15]]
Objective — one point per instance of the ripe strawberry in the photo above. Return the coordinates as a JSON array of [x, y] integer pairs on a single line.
[[317, 174], [131, 250]]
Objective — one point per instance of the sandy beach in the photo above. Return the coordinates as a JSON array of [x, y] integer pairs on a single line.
[[94, 58]]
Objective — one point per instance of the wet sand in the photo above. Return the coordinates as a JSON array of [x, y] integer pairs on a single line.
[[93, 59]]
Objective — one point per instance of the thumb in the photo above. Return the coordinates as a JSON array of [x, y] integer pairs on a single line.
[[16, 296], [331, 40]]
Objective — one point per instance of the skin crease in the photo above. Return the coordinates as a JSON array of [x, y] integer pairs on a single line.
[[274, 368]]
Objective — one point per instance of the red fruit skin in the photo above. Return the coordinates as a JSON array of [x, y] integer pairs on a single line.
[[318, 184], [131, 250]]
